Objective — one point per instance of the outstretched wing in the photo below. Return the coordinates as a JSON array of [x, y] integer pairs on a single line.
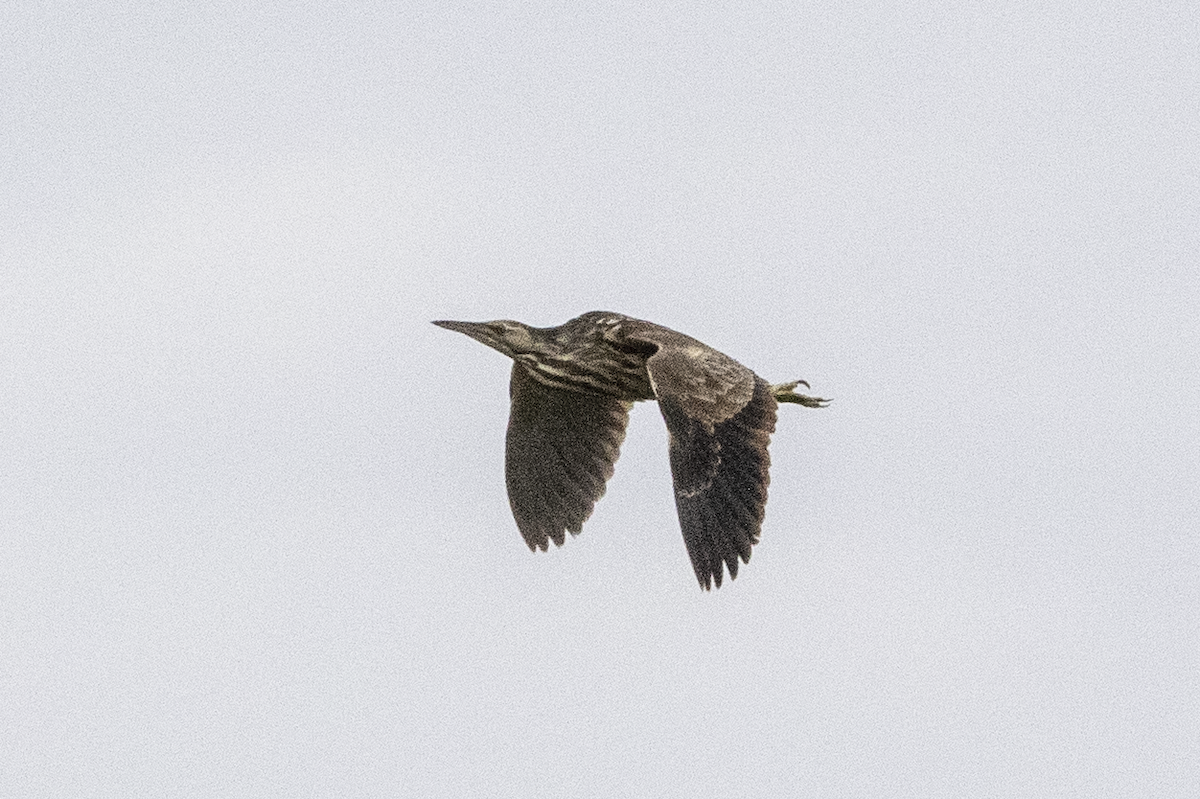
[[560, 453], [720, 417]]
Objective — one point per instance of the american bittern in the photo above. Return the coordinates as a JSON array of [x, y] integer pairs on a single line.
[[572, 387]]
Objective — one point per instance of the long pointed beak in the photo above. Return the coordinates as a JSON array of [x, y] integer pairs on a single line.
[[476, 330]]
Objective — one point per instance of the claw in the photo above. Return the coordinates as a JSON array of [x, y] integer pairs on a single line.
[[783, 393]]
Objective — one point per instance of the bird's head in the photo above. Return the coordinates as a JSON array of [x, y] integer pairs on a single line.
[[511, 338]]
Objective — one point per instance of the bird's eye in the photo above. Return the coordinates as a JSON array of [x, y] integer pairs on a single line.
[[516, 336]]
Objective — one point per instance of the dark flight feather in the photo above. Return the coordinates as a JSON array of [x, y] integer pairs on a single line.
[[560, 452]]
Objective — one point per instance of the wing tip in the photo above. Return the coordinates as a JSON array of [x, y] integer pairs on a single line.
[[710, 579]]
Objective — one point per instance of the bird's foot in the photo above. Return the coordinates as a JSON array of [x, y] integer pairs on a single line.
[[783, 393]]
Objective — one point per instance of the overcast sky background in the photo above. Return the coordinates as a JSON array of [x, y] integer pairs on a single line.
[[254, 538]]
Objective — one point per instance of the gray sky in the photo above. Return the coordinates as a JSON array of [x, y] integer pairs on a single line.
[[253, 532]]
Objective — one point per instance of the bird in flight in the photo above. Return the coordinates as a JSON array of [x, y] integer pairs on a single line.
[[571, 390]]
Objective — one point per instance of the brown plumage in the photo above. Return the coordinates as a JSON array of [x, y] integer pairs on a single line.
[[571, 390]]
